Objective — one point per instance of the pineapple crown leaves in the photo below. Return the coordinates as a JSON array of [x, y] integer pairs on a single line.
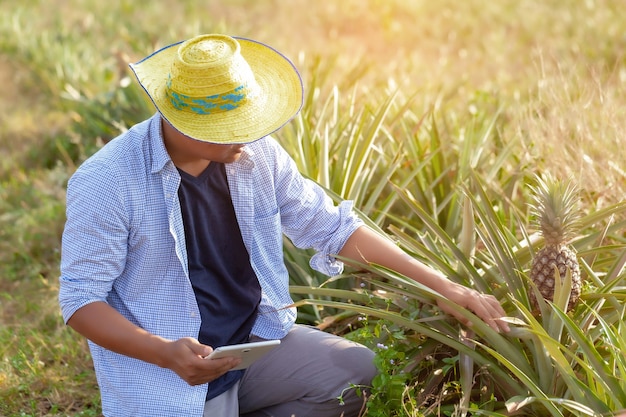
[[556, 208]]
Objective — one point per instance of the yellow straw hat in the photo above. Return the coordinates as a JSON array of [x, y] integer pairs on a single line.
[[219, 89]]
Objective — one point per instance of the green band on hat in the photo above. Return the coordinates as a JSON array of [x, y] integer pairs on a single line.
[[210, 104]]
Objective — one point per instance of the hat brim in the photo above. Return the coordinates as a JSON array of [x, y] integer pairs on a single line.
[[279, 98]]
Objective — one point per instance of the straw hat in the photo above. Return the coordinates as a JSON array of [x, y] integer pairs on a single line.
[[219, 89]]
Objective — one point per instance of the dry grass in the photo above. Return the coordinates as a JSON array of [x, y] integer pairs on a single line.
[[557, 67]]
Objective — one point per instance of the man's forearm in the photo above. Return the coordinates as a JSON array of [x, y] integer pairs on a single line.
[[367, 246], [106, 327]]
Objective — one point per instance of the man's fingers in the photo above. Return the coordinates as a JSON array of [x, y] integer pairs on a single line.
[[485, 306], [488, 308]]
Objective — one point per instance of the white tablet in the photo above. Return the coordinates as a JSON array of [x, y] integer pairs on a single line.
[[248, 352]]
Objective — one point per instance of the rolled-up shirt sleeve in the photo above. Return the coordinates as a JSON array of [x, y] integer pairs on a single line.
[[324, 259], [310, 217]]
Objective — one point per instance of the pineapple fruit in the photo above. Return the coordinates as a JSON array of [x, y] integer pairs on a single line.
[[555, 209]]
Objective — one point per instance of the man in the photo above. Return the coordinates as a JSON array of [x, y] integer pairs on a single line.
[[173, 247]]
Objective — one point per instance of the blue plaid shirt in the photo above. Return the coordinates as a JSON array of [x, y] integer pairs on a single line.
[[124, 244]]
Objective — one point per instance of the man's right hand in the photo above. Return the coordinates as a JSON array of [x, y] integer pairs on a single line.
[[186, 357]]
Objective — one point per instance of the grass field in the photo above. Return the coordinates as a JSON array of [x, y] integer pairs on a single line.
[[552, 71]]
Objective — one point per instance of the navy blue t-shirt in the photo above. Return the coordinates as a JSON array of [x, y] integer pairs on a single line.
[[226, 287]]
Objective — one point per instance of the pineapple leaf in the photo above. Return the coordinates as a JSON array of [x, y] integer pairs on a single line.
[[562, 290]]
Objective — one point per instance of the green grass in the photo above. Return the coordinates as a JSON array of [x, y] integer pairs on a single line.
[[438, 91]]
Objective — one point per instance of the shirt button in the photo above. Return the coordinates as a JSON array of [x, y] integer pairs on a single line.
[[193, 314]]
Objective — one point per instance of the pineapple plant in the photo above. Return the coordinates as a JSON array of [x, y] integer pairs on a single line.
[[555, 210]]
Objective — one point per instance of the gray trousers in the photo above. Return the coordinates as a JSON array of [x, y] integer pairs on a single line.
[[303, 377]]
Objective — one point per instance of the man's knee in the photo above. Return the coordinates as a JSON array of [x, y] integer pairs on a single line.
[[358, 362]]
